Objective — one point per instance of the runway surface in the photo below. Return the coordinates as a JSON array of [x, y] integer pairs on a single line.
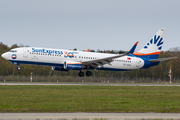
[[98, 84], [90, 116]]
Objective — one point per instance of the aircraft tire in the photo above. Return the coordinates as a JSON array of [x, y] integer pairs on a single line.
[[81, 74], [88, 73], [18, 68]]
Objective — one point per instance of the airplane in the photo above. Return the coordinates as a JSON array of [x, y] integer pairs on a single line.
[[65, 60]]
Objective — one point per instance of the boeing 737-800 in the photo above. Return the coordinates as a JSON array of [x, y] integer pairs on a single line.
[[65, 60]]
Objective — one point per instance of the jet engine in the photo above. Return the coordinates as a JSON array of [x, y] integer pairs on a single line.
[[72, 65]]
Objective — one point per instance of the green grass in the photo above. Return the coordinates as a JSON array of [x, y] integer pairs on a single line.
[[90, 99]]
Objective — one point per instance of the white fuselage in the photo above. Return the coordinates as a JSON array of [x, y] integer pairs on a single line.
[[57, 57]]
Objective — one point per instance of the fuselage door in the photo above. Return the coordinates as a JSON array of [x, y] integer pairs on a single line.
[[137, 62], [77, 57], [25, 53]]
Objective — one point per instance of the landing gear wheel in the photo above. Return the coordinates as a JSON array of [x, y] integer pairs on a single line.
[[18, 68], [81, 74], [88, 73]]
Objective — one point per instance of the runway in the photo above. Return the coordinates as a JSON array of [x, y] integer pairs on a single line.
[[96, 84], [90, 116]]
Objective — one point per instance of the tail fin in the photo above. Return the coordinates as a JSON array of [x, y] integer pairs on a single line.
[[153, 47]]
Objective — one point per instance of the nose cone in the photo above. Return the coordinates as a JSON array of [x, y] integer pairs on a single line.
[[5, 55], [2, 55]]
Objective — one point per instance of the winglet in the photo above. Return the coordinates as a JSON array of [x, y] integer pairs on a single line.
[[133, 48], [87, 50]]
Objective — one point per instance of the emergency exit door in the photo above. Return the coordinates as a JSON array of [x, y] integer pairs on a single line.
[[25, 53]]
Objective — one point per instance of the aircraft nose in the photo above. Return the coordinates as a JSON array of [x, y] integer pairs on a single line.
[[4, 55]]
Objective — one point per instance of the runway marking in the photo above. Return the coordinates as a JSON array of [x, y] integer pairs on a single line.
[[95, 84]]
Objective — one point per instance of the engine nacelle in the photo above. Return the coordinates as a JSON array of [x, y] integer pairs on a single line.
[[72, 65], [58, 68]]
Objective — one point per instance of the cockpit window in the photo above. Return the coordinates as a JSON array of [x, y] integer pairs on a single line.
[[13, 51]]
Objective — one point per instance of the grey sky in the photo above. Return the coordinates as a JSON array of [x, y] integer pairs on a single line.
[[83, 24]]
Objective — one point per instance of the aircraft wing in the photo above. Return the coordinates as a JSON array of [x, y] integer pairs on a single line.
[[100, 62], [162, 59]]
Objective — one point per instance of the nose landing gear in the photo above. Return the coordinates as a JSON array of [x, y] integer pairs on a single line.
[[18, 68]]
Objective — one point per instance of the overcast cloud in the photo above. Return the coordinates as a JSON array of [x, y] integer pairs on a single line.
[[83, 24]]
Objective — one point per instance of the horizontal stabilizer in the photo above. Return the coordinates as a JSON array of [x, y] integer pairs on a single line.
[[162, 59]]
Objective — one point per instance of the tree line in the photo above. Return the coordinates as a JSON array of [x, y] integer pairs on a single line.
[[157, 72]]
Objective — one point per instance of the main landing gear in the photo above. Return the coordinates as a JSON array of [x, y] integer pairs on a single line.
[[81, 74], [88, 73]]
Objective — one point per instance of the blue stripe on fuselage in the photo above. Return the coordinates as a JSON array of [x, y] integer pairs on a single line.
[[146, 59], [36, 63], [62, 65]]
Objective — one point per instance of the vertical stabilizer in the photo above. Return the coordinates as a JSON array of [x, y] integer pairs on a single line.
[[153, 47]]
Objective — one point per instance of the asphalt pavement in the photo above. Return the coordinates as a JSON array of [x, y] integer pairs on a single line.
[[89, 116]]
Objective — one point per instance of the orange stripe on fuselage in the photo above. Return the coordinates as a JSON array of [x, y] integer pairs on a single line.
[[141, 54]]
